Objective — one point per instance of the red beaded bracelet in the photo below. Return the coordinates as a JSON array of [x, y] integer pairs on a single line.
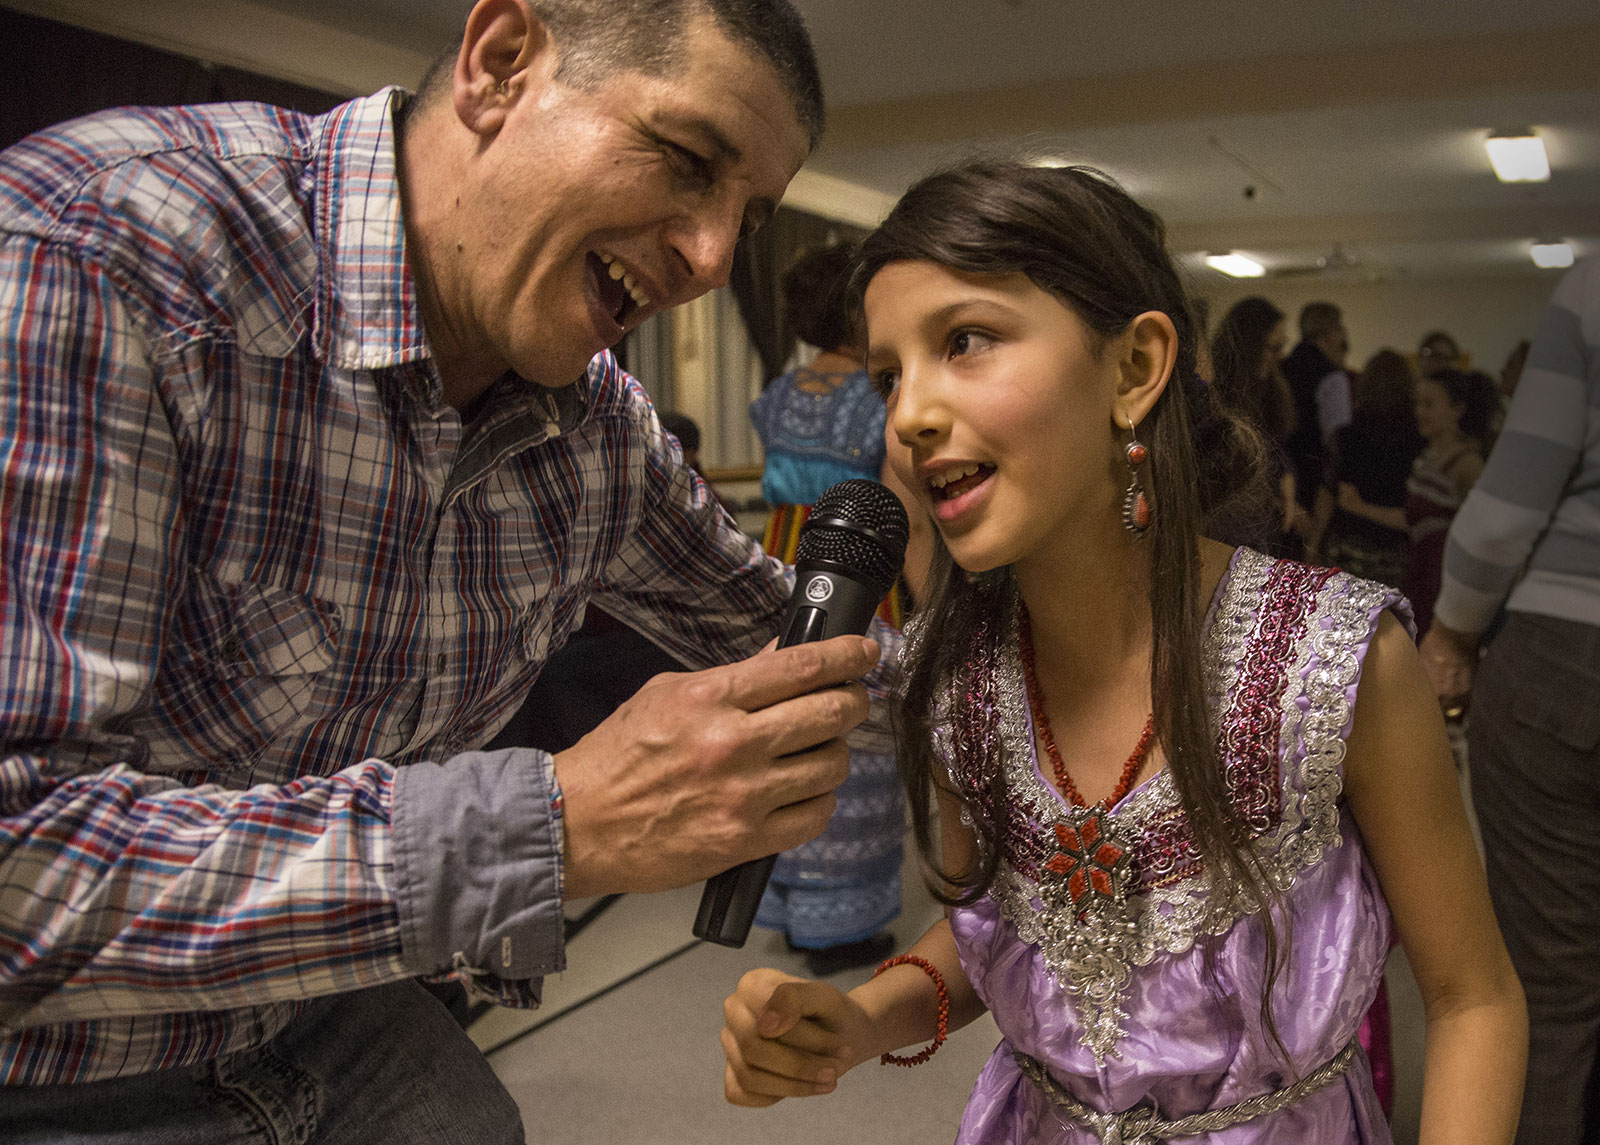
[[943, 1028]]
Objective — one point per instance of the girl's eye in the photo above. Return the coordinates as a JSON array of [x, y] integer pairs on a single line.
[[964, 342], [884, 382]]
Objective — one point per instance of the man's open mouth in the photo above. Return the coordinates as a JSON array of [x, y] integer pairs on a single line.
[[618, 294]]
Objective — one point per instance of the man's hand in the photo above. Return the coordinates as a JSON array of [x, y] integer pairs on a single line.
[[701, 771], [1450, 658]]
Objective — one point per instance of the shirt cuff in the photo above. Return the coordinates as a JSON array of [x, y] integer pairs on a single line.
[[477, 860]]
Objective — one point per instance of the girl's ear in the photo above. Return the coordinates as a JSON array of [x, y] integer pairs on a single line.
[[1147, 351]]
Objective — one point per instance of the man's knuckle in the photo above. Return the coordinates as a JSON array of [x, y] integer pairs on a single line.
[[808, 659]]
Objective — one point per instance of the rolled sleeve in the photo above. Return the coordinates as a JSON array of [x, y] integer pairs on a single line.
[[477, 856]]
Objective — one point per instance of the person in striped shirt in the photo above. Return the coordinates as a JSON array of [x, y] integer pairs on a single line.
[[312, 449], [1527, 538]]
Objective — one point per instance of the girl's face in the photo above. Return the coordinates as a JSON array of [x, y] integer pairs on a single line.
[[1436, 416], [1002, 403]]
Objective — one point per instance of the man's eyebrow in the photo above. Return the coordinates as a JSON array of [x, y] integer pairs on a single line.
[[724, 149]]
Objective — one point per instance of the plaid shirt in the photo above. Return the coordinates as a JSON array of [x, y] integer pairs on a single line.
[[252, 563]]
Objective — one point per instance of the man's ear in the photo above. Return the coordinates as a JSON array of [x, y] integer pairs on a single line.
[[505, 47], [1147, 353]]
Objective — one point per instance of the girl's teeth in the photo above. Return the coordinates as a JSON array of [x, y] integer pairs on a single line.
[[952, 475]]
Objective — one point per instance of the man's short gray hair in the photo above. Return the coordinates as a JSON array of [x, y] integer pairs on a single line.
[[599, 38]]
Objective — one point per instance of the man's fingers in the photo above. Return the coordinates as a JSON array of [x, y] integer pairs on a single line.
[[796, 823], [803, 722], [768, 677]]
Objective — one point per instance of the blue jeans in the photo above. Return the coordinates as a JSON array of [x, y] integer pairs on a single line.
[[386, 1065]]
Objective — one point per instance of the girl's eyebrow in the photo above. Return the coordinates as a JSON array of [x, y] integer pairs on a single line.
[[944, 315]]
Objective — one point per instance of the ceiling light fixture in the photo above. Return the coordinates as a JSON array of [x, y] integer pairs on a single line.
[[1552, 255], [1238, 265], [1518, 156]]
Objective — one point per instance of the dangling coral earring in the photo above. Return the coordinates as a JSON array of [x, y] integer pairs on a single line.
[[1136, 510]]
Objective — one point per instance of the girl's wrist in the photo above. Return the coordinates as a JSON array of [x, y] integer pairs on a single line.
[[878, 1002], [901, 1005]]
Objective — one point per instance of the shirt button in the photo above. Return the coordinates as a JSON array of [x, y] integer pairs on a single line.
[[439, 665]]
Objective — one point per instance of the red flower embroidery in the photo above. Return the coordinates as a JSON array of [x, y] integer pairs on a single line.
[[1087, 861]]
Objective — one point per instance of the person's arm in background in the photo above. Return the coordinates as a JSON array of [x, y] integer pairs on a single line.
[[1526, 476], [1351, 501], [1333, 404]]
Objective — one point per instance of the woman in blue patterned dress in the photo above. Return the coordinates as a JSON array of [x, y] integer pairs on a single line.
[[819, 424]]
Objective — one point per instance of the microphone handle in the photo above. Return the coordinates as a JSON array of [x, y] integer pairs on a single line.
[[827, 602]]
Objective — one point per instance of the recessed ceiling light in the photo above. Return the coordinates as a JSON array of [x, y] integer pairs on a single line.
[[1551, 256], [1518, 157], [1237, 265]]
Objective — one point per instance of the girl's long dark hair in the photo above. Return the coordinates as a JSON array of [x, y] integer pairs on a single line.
[[1076, 234]]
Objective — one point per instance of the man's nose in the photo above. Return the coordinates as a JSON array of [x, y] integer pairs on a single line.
[[703, 241]]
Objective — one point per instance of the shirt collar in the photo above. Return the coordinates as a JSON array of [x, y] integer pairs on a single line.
[[366, 307]]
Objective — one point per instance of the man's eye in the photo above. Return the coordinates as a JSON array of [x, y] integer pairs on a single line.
[[694, 168]]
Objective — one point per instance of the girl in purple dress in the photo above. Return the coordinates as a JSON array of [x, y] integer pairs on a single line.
[[1182, 789]]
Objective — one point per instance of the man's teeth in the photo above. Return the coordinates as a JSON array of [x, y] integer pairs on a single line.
[[940, 480], [615, 269]]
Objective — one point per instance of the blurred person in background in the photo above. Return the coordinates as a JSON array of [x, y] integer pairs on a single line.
[[1361, 506], [1454, 411], [1246, 352], [1438, 351], [1321, 390]]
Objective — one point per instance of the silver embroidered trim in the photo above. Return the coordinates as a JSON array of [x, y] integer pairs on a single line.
[[1092, 959]]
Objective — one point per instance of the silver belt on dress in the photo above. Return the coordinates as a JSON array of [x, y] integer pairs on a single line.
[[1141, 1126]]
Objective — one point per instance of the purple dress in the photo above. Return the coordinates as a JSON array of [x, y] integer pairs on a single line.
[[1091, 959]]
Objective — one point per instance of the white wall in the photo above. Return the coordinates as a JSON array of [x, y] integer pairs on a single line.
[[1487, 316], [244, 35]]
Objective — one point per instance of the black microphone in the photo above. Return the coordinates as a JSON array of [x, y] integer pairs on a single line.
[[850, 552]]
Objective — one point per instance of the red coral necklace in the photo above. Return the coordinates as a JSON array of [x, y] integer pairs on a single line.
[[1042, 723]]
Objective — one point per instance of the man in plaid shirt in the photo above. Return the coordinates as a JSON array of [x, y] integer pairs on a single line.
[[311, 450]]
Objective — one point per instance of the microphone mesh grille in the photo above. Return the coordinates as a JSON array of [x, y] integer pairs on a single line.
[[859, 524]]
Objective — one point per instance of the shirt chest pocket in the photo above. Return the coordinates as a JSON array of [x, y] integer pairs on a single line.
[[252, 658]]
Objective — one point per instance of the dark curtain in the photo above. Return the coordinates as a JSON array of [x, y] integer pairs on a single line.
[[759, 264], [51, 72]]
